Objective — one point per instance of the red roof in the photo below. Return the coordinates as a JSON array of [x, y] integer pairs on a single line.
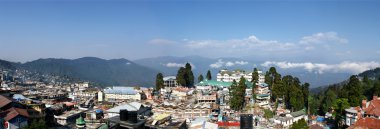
[[315, 126], [13, 112], [4, 101], [373, 108], [228, 123], [367, 123]]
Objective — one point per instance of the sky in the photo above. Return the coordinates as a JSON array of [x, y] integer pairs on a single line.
[[288, 34]]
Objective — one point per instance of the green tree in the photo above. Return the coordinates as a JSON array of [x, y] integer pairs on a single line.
[[339, 106], [296, 99], [208, 75], [237, 93], [181, 76], [255, 76], [268, 114], [376, 88], [200, 78], [233, 96], [159, 81], [328, 101], [36, 124], [189, 75], [300, 124], [355, 91]]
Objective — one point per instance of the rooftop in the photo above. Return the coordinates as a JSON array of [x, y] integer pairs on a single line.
[[120, 90], [219, 83]]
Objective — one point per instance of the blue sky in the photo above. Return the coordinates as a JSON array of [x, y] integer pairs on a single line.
[[277, 31]]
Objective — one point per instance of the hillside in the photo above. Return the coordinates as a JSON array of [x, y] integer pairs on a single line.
[[104, 72]]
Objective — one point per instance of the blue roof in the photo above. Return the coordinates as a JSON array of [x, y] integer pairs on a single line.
[[263, 85], [121, 90]]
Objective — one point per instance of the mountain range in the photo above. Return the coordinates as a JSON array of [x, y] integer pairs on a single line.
[[104, 72], [143, 71]]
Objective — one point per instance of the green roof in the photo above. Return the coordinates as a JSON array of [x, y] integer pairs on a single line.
[[220, 83], [80, 121]]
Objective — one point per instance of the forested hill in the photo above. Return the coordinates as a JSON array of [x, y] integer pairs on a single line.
[[346, 94], [104, 72], [371, 74]]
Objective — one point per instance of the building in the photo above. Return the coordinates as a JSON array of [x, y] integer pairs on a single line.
[[68, 117], [285, 120], [121, 93], [170, 81], [15, 118], [229, 76], [210, 84], [366, 123], [262, 95], [352, 115], [133, 106]]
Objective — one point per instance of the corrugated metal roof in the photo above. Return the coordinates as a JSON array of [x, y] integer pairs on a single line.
[[128, 106], [120, 90]]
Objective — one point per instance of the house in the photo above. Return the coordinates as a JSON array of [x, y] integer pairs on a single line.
[[133, 106], [352, 115], [228, 76], [121, 93], [170, 81], [6, 103], [366, 123], [372, 108], [15, 118], [288, 119]]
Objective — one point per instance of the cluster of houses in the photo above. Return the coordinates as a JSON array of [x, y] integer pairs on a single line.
[[78, 105]]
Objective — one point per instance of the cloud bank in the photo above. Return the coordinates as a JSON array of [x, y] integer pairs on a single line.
[[346, 66], [177, 65], [220, 63]]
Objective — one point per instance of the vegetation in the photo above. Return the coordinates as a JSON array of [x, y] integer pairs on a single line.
[[200, 78], [208, 76], [237, 92], [268, 114], [40, 124], [344, 95], [300, 124], [255, 79], [159, 81], [185, 76], [289, 88]]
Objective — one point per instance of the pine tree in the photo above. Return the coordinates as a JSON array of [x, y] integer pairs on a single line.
[[200, 78], [181, 79], [189, 75], [159, 81], [208, 75]]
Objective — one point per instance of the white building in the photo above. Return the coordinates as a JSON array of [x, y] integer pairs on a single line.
[[229, 76], [287, 120], [121, 93], [170, 81]]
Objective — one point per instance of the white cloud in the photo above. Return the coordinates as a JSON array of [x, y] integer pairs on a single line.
[[346, 66], [171, 65], [323, 37], [217, 64], [177, 65], [161, 41], [252, 42], [220, 63]]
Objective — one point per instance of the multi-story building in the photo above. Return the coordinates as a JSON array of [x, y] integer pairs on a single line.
[[228, 76], [121, 93], [170, 81]]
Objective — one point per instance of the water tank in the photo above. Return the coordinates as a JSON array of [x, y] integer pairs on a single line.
[[132, 116], [246, 121], [123, 115]]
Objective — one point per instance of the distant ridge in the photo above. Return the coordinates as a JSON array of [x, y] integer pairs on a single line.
[[104, 72]]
